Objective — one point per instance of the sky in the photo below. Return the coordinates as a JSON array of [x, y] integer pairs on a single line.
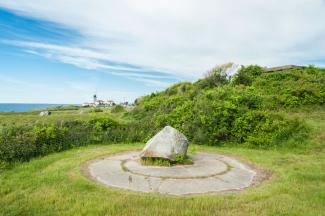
[[64, 51]]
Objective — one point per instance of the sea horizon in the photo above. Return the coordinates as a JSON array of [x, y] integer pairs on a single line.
[[25, 107]]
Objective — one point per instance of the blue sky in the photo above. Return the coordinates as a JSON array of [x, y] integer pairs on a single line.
[[64, 51], [32, 74]]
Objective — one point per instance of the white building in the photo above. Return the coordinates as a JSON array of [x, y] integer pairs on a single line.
[[99, 103]]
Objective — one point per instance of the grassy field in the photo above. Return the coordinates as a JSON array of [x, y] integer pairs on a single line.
[[11, 118], [54, 185]]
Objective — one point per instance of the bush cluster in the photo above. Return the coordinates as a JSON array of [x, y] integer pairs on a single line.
[[242, 109], [21, 143], [118, 109]]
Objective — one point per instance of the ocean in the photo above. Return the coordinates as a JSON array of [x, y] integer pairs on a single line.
[[23, 107]]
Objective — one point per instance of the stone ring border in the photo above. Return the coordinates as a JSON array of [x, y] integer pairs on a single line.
[[228, 168], [261, 175]]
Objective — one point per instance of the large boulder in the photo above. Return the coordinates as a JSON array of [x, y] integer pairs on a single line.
[[45, 113], [167, 143]]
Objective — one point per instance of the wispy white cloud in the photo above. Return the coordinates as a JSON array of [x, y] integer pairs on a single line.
[[184, 37], [72, 51], [92, 60], [152, 82], [81, 62], [146, 75], [84, 58]]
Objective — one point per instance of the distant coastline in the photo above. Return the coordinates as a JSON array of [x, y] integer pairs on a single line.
[[24, 107]]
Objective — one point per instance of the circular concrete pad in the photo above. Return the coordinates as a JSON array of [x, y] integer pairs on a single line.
[[209, 173]]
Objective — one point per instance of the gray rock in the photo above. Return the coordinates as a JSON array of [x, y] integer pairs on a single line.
[[45, 113], [167, 143]]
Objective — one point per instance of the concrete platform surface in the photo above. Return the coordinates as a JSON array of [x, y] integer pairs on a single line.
[[210, 173]]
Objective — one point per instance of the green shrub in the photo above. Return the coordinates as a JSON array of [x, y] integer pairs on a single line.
[[246, 75], [217, 76], [179, 88], [212, 111], [214, 119], [118, 109], [95, 110], [103, 123], [50, 139], [183, 160], [21, 143], [148, 161], [17, 144], [156, 161], [262, 129], [292, 88]]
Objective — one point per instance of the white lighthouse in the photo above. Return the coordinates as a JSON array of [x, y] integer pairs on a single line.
[[98, 103]]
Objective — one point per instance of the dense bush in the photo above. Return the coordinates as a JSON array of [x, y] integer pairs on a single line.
[[50, 139], [118, 109], [219, 109], [102, 124], [292, 88], [21, 143], [246, 75], [217, 76], [262, 129], [220, 115], [179, 88], [17, 144]]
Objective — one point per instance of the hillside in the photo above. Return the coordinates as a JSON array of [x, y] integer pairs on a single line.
[[254, 109], [251, 108]]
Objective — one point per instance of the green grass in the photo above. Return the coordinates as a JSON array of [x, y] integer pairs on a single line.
[[54, 185], [156, 161], [20, 118]]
